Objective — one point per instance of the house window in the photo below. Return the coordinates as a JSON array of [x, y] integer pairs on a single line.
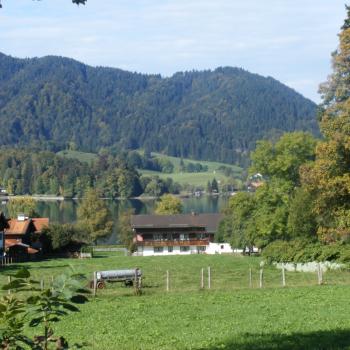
[[157, 236], [184, 248], [170, 249], [158, 249], [184, 237], [201, 248], [222, 246]]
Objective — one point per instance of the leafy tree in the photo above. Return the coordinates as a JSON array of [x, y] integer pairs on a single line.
[[301, 218], [61, 236], [166, 165], [214, 186], [279, 209], [182, 164], [155, 187], [209, 189], [94, 216], [239, 227], [21, 205], [283, 159], [328, 179], [169, 205], [36, 307], [125, 231], [272, 212]]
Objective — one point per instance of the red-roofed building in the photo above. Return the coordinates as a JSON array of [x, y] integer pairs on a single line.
[[20, 232]]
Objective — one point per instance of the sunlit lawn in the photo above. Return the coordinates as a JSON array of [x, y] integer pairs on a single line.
[[228, 316]]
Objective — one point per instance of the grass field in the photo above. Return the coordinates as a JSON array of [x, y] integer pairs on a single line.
[[196, 179], [212, 166], [228, 316], [81, 156]]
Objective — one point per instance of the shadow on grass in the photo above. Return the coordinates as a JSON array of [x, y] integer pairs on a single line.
[[9, 268], [321, 340]]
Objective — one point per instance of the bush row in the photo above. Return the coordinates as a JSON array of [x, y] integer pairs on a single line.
[[301, 251]]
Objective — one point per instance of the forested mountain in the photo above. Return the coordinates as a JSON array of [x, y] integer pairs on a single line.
[[51, 102]]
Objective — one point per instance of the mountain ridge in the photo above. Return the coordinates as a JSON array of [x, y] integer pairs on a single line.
[[210, 115]]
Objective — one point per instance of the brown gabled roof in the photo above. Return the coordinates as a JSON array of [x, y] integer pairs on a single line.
[[11, 242], [40, 223], [17, 227], [20, 227], [209, 221]]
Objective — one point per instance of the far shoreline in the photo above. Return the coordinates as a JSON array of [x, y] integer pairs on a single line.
[[62, 198]]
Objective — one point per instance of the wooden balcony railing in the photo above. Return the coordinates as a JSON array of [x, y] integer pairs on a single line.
[[163, 243]]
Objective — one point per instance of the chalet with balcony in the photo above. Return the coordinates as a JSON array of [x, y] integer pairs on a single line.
[[174, 234]]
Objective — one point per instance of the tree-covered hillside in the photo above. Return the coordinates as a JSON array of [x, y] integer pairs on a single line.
[[213, 115]]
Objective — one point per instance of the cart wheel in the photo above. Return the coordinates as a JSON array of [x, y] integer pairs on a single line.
[[129, 283], [100, 285]]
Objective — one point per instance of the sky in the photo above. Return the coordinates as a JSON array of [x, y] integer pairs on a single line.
[[289, 40]]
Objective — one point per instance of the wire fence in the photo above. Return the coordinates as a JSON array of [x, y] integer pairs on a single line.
[[183, 274]]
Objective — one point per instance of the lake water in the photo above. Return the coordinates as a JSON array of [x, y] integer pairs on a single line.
[[66, 211]]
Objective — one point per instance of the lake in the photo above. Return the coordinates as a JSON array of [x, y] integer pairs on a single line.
[[66, 211]]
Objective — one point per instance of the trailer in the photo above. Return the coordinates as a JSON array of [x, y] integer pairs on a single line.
[[128, 276]]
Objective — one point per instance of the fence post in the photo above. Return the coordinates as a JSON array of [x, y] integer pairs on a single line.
[[202, 278], [261, 278], [209, 277], [250, 278], [167, 280], [137, 283], [95, 283], [319, 274], [42, 284], [283, 276], [9, 281]]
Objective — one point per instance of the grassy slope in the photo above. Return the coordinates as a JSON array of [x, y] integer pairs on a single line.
[[230, 316], [196, 179], [82, 156], [211, 165]]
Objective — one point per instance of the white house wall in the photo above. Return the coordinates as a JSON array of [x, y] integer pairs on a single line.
[[220, 248], [149, 251]]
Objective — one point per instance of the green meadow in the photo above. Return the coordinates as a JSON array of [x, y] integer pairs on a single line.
[[230, 315], [195, 179], [81, 156], [183, 178]]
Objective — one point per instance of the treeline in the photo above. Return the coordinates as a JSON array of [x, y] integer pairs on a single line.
[[302, 211], [44, 172], [217, 115], [282, 217], [190, 167]]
